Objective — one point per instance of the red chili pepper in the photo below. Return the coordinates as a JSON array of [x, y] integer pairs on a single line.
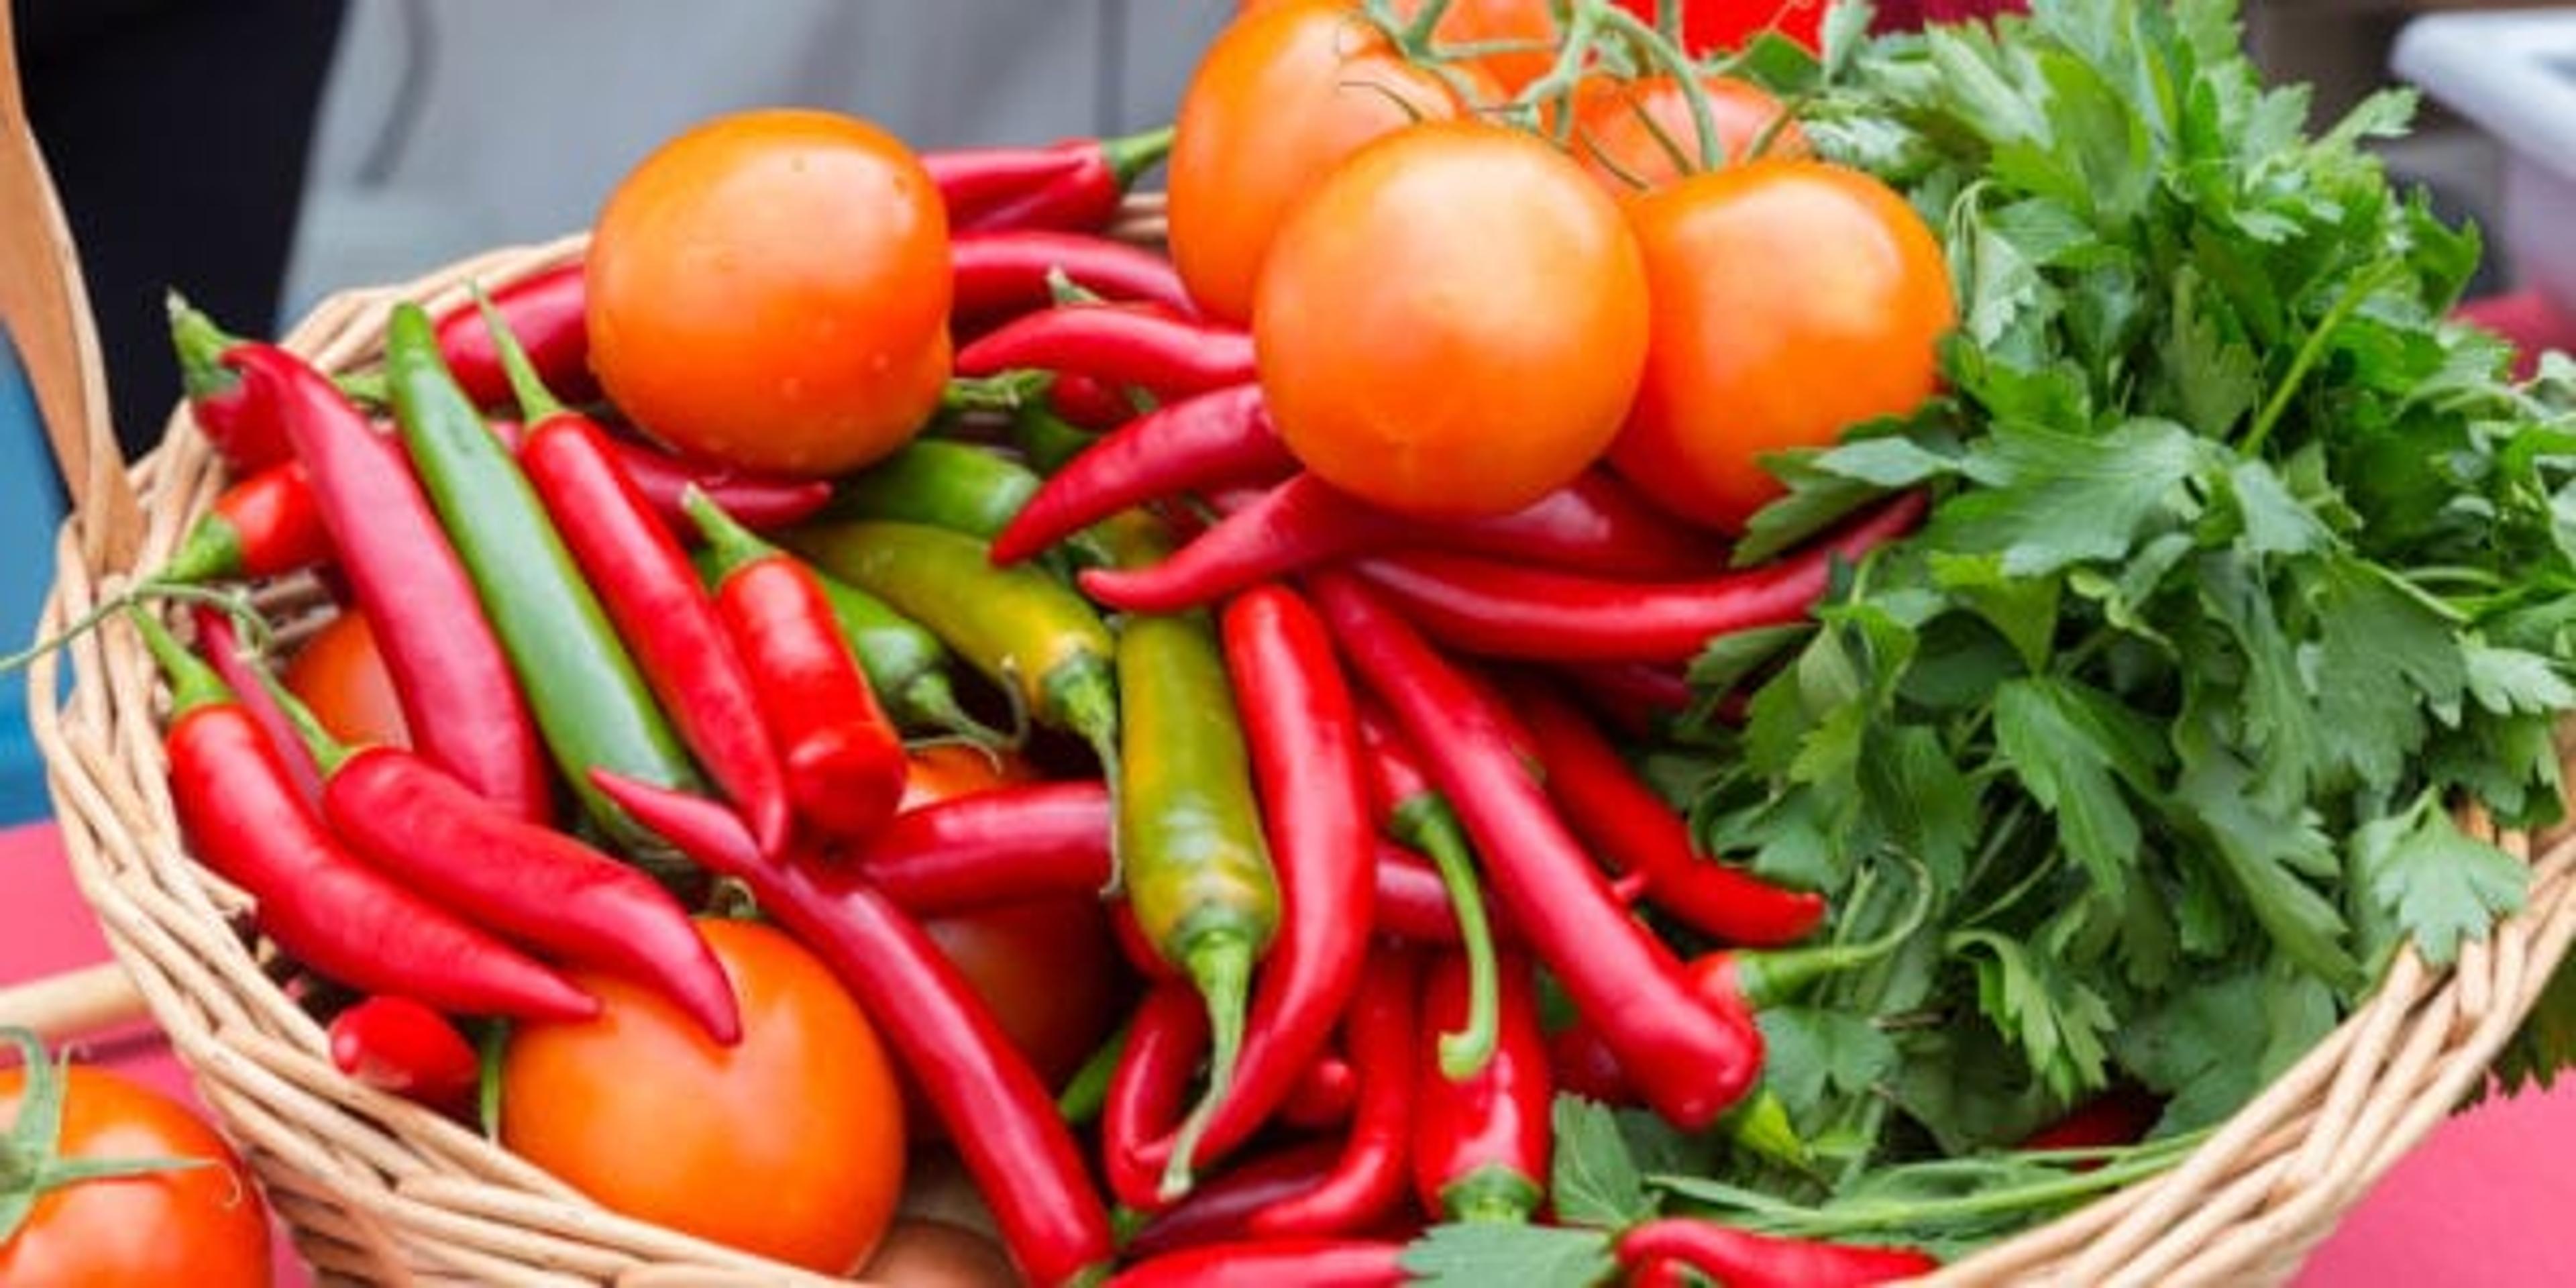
[[549, 313], [1742, 1259], [844, 759], [262, 526], [1221, 1210], [1632, 827], [759, 502], [397, 1045], [1638, 697], [1304, 738], [652, 592], [1166, 1039], [1690, 1060], [996, 846], [1413, 902], [1002, 1119], [1214, 438], [246, 433], [242, 673], [322, 904], [416, 823], [1073, 183], [1588, 525], [1137, 345], [459, 696], [1481, 1147], [1015, 272], [1324, 1095], [1659, 1272], [2120, 1116], [1580, 1064], [1089, 404], [1368, 1183], [1266, 1263], [1503, 610]]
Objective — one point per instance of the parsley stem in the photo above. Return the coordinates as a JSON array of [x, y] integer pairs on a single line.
[[1883, 1214], [2313, 350]]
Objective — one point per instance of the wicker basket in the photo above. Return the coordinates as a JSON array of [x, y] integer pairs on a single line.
[[379, 1190]]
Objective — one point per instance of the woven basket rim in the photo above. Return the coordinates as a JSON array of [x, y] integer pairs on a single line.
[[379, 1189]]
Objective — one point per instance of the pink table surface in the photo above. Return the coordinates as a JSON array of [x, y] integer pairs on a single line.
[[2480, 1202]]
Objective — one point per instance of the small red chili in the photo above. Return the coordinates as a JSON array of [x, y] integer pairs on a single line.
[[1481, 1147], [1504, 610], [1073, 183], [549, 313], [397, 1045], [1004, 274], [262, 526], [1743, 1259], [1142, 346], [1166, 1039], [1368, 1183], [1221, 1209], [1206, 441], [1266, 1263]]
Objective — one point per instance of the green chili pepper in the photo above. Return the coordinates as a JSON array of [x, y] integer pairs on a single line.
[[591, 704], [1021, 628], [1047, 439], [956, 486], [1195, 867]]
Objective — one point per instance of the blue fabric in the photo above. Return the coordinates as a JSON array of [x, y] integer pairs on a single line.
[[30, 510]]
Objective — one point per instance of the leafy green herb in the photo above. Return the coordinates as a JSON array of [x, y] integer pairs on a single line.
[[1534, 1256], [2245, 569]]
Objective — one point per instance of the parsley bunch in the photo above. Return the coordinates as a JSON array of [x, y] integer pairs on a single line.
[[2245, 570]]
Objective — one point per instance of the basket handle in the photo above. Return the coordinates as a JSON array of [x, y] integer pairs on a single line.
[[46, 309]]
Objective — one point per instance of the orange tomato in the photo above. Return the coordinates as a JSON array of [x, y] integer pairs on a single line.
[[202, 1226], [341, 676], [1483, 22], [1626, 131], [770, 290], [1792, 300], [1453, 323], [789, 1144], [1281, 97]]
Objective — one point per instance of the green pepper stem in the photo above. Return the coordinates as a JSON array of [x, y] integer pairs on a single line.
[[329, 753], [212, 551], [1764, 978], [929, 699], [1087, 1091], [1428, 824], [193, 684], [200, 345], [732, 544], [1133, 154], [537, 404], [1491, 1195], [1220, 964]]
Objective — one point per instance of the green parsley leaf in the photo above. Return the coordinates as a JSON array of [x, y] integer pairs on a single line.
[[1527, 1256], [2069, 498], [2438, 883], [1593, 1180]]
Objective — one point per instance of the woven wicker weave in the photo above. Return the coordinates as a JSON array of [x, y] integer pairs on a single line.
[[380, 1190]]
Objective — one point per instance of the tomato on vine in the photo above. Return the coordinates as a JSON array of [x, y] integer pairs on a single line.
[[127, 1188], [1453, 323], [1640, 134], [1282, 97], [1792, 299]]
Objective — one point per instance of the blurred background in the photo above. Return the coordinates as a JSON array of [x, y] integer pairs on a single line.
[[259, 154]]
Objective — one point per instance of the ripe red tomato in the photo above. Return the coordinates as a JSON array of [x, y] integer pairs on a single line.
[[1622, 128], [340, 675], [1445, 363], [1792, 300], [1047, 967], [1280, 98], [1711, 25], [201, 1226], [770, 290], [789, 1144]]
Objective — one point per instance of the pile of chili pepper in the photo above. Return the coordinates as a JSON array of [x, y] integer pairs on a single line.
[[1346, 779]]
